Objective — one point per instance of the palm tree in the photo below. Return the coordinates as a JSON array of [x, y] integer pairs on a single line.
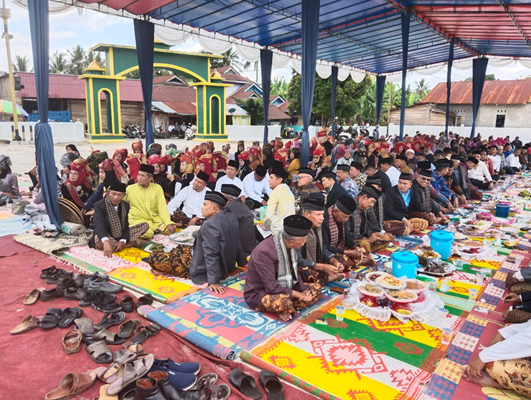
[[20, 64], [279, 87], [422, 88], [58, 64], [95, 56], [230, 59], [78, 60]]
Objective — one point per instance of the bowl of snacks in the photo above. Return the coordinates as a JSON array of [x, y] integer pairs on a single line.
[[401, 296], [425, 254], [370, 289], [372, 276], [416, 286], [390, 282]]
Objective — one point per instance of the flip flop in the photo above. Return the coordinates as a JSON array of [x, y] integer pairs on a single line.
[[244, 383], [27, 324], [72, 341], [110, 319], [205, 381], [69, 315], [128, 328], [51, 318], [72, 385], [99, 352], [104, 395], [130, 372], [272, 385], [221, 392], [107, 336], [148, 331], [84, 325], [33, 296]]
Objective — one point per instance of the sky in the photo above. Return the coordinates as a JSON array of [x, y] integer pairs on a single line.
[[69, 29]]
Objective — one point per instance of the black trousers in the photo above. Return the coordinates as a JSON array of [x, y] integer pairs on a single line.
[[480, 184]]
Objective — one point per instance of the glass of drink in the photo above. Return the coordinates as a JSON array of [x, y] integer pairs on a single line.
[[459, 264], [445, 285], [340, 313], [472, 294], [432, 286], [380, 268], [446, 336], [480, 278], [346, 293], [352, 277]]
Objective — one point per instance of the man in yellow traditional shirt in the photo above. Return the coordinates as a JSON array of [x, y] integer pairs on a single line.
[[281, 202], [148, 204]]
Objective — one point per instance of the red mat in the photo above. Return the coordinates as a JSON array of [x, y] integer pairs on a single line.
[[8, 247], [34, 363]]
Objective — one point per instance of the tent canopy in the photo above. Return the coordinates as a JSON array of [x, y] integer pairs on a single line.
[[364, 34]]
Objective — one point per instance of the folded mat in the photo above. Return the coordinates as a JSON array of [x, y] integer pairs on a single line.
[[54, 245], [356, 358], [73, 229], [222, 324]]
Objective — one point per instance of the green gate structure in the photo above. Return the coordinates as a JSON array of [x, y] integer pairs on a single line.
[[120, 60]]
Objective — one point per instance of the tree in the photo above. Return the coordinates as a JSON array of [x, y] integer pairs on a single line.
[[255, 109], [279, 87], [78, 60], [58, 64], [20, 64], [95, 56], [488, 77], [230, 59], [422, 88], [156, 72]]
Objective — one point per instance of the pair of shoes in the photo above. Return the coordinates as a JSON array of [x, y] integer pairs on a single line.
[[181, 376], [104, 287], [103, 302], [57, 276], [72, 385], [74, 293], [55, 317], [246, 384], [47, 295], [110, 319], [145, 300], [72, 341], [158, 386], [95, 278], [127, 303]]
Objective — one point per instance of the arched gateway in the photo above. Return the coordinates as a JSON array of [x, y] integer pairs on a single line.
[[120, 60]]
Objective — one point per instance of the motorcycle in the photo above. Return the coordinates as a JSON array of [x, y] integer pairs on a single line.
[[159, 132], [190, 132]]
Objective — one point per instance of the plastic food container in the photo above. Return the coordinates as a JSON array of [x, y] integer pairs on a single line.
[[502, 210], [441, 242], [405, 264]]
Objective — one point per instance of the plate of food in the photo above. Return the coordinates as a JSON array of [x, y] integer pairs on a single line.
[[371, 290], [459, 236], [401, 296], [416, 286], [390, 282], [437, 268], [470, 243], [426, 254], [402, 309], [372, 276], [157, 247]]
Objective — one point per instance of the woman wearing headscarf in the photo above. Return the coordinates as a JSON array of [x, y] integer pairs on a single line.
[[8, 182], [295, 163], [107, 177], [245, 165], [66, 160], [135, 160], [241, 147], [120, 166], [159, 175], [317, 156], [77, 187], [72, 149]]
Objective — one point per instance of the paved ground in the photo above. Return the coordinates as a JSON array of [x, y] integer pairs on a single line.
[[23, 153]]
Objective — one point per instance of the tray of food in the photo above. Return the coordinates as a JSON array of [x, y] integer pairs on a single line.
[[401, 296], [390, 282], [157, 247], [372, 276], [370, 289], [437, 268], [416, 286], [425, 254]]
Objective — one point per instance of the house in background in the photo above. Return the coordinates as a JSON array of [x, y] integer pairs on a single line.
[[504, 104], [422, 114]]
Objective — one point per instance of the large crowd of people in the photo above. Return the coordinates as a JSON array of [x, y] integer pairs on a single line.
[[317, 220]]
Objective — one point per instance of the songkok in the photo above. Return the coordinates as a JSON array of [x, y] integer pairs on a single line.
[[203, 176], [243, 156], [261, 171], [317, 152], [443, 163], [370, 191], [401, 157], [314, 202], [424, 165], [279, 173], [118, 187], [456, 157], [387, 160], [425, 172], [233, 163], [356, 165], [231, 190], [406, 177], [297, 225], [477, 151], [346, 204], [343, 167], [327, 174], [150, 169], [372, 180], [216, 197], [307, 171], [473, 160]]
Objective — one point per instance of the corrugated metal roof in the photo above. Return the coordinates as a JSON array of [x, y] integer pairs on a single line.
[[238, 110], [181, 108], [172, 93], [159, 105], [494, 92], [275, 113]]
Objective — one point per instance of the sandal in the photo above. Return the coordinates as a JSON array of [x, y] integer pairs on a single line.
[[33, 296], [104, 395], [221, 392], [105, 335], [109, 375], [52, 318], [47, 272], [144, 334], [136, 348], [272, 385], [205, 381], [99, 352], [70, 314], [111, 319], [84, 325], [57, 276], [128, 328], [71, 385], [130, 372], [72, 341], [246, 384], [27, 324]]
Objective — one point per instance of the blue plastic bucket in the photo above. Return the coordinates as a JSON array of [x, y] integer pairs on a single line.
[[502, 210], [405, 264], [441, 242]]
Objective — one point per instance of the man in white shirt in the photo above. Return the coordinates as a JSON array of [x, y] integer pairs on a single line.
[[386, 165], [482, 166], [512, 161], [496, 159], [191, 198], [477, 175], [256, 187], [230, 177]]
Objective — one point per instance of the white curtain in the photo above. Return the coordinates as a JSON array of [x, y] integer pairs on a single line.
[[357, 76], [251, 54], [431, 70], [463, 64], [394, 77], [53, 7], [296, 64], [526, 63], [214, 42], [171, 36], [324, 71], [280, 60], [501, 62], [343, 74]]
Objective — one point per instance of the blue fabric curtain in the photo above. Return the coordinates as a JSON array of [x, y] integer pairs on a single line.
[[479, 69], [406, 19], [380, 89], [310, 24], [449, 86], [335, 71], [266, 62], [38, 17], [145, 43]]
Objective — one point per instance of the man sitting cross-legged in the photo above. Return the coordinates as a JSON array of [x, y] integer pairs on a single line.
[[316, 263], [273, 283], [111, 223]]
